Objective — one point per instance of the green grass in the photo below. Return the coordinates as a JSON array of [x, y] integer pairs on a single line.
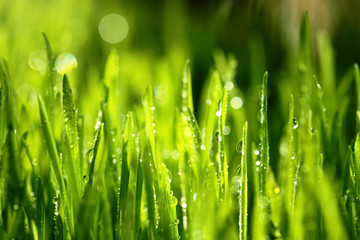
[[115, 164]]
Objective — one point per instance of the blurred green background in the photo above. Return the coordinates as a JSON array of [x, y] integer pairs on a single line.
[[154, 39]]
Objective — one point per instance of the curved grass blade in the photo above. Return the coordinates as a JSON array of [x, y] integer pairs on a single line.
[[55, 162]]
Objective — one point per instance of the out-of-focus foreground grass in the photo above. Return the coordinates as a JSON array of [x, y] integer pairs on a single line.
[[107, 131]]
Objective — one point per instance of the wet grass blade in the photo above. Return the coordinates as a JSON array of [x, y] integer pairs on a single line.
[[354, 209], [264, 138], [243, 194], [291, 161], [51, 78], [357, 81], [40, 209], [70, 119], [139, 190], [187, 101], [55, 162], [50, 144], [149, 189], [221, 157]]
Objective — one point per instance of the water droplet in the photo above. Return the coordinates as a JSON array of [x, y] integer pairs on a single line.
[[257, 163], [239, 146], [65, 63], [227, 129], [208, 101], [260, 116], [218, 136], [276, 190], [184, 205], [218, 113], [295, 123], [202, 147], [257, 152], [66, 120], [176, 221], [229, 85], [174, 201], [86, 178], [16, 207]]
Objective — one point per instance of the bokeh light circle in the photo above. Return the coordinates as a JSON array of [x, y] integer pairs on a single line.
[[113, 28]]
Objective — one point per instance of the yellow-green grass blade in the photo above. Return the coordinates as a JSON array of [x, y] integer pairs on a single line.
[[70, 120], [55, 162], [186, 94], [243, 194]]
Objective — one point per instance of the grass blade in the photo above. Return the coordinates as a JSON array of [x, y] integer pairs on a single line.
[[264, 139], [243, 197], [70, 119], [55, 162], [187, 101]]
